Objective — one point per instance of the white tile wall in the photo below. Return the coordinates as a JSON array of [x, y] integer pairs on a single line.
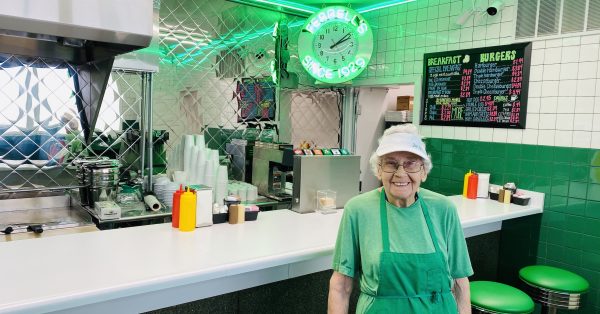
[[564, 94]]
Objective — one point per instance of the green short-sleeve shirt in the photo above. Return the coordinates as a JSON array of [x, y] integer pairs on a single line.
[[359, 242]]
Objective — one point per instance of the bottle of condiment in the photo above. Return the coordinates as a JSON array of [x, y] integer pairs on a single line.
[[176, 206], [472, 186], [466, 183], [187, 211]]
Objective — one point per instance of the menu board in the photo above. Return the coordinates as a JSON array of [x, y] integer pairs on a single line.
[[483, 87]]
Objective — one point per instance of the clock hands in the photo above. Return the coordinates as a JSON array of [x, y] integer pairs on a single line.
[[343, 39]]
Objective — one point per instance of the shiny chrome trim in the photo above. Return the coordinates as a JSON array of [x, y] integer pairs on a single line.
[[553, 299]]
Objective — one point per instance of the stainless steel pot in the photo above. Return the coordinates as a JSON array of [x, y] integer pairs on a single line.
[[100, 176]]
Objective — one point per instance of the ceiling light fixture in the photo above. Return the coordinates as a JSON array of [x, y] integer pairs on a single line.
[[386, 4]]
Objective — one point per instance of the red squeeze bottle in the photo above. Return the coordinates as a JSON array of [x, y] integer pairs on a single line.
[[175, 209], [472, 188]]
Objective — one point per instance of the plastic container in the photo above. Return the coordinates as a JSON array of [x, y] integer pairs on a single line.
[[326, 201], [187, 211], [129, 199], [251, 215], [176, 207], [220, 218], [472, 186], [466, 183]]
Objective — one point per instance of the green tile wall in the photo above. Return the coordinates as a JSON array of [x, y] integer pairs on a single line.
[[569, 235]]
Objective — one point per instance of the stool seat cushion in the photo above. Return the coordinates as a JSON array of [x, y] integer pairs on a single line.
[[553, 278], [498, 297]]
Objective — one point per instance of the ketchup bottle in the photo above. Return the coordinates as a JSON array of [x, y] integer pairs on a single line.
[[472, 187], [175, 209]]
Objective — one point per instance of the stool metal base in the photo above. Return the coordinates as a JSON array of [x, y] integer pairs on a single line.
[[553, 299], [479, 310]]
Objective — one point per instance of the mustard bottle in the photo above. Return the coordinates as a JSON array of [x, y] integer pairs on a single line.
[[187, 211], [466, 183]]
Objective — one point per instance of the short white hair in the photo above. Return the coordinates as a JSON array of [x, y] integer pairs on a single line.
[[400, 128]]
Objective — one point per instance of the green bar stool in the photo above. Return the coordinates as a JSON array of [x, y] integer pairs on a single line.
[[498, 298], [554, 288]]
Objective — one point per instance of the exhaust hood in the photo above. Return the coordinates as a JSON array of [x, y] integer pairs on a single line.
[[87, 34]]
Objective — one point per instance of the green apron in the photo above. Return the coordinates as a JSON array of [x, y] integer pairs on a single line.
[[411, 283]]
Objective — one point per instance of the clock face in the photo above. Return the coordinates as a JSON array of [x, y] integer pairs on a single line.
[[335, 44]]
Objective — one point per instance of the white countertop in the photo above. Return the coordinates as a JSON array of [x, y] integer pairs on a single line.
[[149, 267]]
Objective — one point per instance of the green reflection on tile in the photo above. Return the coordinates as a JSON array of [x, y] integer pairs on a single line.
[[560, 187], [577, 189], [592, 210], [594, 192], [545, 153], [580, 172], [576, 206]]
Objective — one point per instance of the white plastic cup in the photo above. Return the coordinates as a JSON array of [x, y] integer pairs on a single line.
[[180, 177]]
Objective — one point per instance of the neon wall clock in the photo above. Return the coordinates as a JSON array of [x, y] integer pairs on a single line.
[[335, 44]]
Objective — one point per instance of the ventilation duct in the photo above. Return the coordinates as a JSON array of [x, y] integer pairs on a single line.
[[87, 34]]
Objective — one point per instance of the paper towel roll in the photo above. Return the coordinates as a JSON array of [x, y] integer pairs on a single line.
[[483, 185], [152, 202]]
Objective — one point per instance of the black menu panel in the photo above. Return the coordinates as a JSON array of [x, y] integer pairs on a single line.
[[482, 87]]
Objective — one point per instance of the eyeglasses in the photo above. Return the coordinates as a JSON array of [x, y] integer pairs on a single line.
[[410, 166]]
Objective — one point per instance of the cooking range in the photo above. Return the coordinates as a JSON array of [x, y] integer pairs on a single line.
[[51, 214]]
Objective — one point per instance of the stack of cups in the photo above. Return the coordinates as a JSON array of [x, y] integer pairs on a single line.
[[252, 194], [209, 174], [221, 186]]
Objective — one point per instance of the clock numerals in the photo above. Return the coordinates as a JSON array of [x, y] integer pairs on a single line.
[[344, 58], [319, 45], [321, 37], [321, 52]]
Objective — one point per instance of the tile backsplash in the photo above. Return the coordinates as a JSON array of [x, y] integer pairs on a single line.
[[570, 178]]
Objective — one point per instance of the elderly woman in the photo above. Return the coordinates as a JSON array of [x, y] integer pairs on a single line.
[[405, 242]]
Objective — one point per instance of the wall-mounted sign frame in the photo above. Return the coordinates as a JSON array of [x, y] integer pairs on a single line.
[[481, 87], [335, 44]]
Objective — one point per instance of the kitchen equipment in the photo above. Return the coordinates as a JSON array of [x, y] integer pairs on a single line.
[[242, 152], [339, 173], [30, 217], [272, 163], [99, 178], [102, 177], [87, 39]]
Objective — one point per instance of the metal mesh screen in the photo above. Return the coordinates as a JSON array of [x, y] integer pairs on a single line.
[[40, 130], [315, 117], [207, 48]]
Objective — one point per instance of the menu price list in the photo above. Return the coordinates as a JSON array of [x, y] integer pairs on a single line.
[[484, 87]]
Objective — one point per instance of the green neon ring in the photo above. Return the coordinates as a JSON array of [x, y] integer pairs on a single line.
[[345, 72]]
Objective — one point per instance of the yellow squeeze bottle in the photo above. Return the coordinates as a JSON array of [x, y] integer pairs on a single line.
[[466, 183], [187, 211]]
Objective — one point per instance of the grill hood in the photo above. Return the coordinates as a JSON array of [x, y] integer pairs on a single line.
[[87, 34]]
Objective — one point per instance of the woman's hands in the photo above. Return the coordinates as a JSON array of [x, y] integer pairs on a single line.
[[340, 287], [462, 295]]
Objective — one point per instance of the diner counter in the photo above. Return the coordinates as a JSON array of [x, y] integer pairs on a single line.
[[138, 269]]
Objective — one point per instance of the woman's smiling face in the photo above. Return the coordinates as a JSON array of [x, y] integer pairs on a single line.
[[401, 186]]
